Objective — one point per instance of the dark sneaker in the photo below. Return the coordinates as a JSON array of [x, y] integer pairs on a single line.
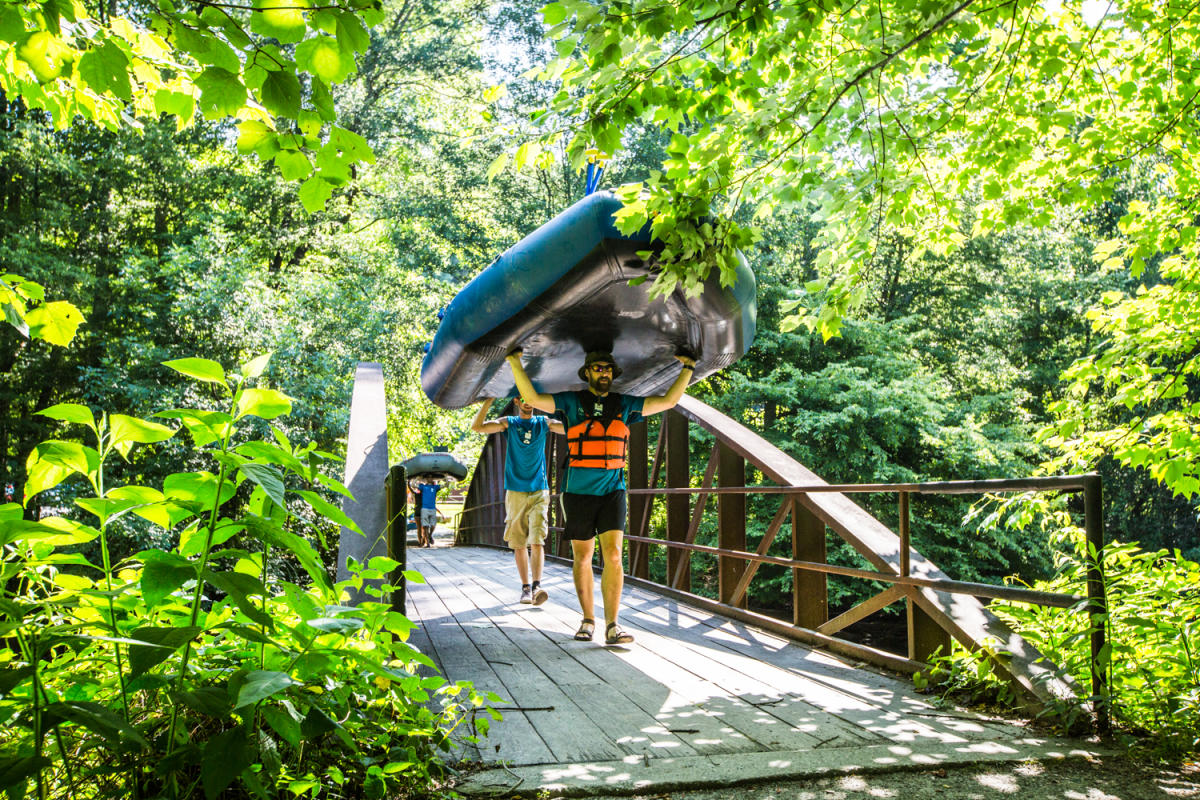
[[526, 595]]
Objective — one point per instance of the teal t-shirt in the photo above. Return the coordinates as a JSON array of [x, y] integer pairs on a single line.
[[525, 459], [591, 480]]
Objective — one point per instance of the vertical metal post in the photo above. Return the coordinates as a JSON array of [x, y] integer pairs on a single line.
[[1093, 515], [678, 476], [810, 590], [731, 522], [639, 478], [396, 488]]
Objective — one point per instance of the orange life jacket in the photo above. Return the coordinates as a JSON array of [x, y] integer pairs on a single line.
[[600, 440]]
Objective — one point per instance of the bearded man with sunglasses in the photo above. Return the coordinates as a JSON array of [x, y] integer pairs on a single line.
[[597, 422]]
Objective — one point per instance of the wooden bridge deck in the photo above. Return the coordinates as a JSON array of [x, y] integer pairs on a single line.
[[696, 699]]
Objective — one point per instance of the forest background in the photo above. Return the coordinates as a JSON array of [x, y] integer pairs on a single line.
[[929, 362]]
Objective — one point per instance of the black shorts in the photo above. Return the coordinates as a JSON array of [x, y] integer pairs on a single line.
[[590, 514]]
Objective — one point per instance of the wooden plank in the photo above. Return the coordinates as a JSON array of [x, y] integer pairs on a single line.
[[697, 513], [731, 526], [611, 705], [563, 725], [462, 660], [855, 679], [678, 475], [676, 699], [864, 609]]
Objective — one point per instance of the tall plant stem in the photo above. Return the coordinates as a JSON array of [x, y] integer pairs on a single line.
[[39, 699], [199, 593]]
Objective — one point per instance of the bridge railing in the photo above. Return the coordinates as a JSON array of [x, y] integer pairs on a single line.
[[937, 606]]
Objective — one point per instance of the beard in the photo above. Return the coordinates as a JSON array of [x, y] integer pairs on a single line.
[[601, 384]]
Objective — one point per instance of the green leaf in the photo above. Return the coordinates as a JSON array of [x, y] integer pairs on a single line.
[[225, 756], [70, 412], [12, 24], [268, 479], [261, 684], [180, 105], [199, 368], [241, 587], [342, 625], [554, 13], [162, 574], [280, 93], [329, 511], [265, 403], [54, 322], [352, 146], [127, 431], [252, 134], [497, 166], [273, 454], [205, 426], [270, 533], [279, 19], [197, 490], [15, 772], [256, 366], [160, 644], [317, 723], [106, 69], [104, 508], [293, 165], [96, 718], [324, 57], [314, 193], [222, 93], [351, 35]]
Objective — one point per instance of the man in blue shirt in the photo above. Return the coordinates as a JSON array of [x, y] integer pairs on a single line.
[[527, 492], [427, 515], [597, 423]]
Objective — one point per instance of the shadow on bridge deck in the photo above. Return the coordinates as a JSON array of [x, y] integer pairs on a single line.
[[697, 700]]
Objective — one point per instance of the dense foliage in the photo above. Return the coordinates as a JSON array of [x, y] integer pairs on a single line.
[[196, 667], [972, 228]]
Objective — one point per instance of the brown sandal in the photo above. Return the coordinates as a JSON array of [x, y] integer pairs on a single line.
[[614, 635], [586, 629]]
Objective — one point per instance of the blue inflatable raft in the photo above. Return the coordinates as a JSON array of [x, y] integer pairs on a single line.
[[564, 291], [435, 467]]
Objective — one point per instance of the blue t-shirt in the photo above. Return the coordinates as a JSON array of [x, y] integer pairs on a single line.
[[592, 480], [525, 462], [429, 495]]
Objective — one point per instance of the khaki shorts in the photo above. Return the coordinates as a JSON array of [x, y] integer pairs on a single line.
[[525, 518]]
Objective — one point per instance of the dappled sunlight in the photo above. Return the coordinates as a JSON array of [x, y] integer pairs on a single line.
[[1000, 782], [695, 698]]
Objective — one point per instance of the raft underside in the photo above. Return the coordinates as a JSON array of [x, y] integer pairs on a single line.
[[594, 308]]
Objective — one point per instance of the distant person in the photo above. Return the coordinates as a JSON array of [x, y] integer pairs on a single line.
[[597, 422], [426, 513], [527, 492]]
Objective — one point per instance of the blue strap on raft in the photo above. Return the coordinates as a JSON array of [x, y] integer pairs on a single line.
[[564, 291]]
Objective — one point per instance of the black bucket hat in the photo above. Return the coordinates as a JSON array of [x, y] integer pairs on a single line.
[[598, 358]]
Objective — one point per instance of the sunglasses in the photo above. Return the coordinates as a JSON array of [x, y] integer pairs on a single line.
[[601, 368]]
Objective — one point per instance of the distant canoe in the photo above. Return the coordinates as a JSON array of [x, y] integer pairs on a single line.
[[435, 466], [564, 291]]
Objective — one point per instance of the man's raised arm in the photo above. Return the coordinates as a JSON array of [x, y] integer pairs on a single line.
[[544, 402], [490, 426], [653, 405]]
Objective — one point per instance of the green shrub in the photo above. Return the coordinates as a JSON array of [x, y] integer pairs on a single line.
[[195, 670]]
